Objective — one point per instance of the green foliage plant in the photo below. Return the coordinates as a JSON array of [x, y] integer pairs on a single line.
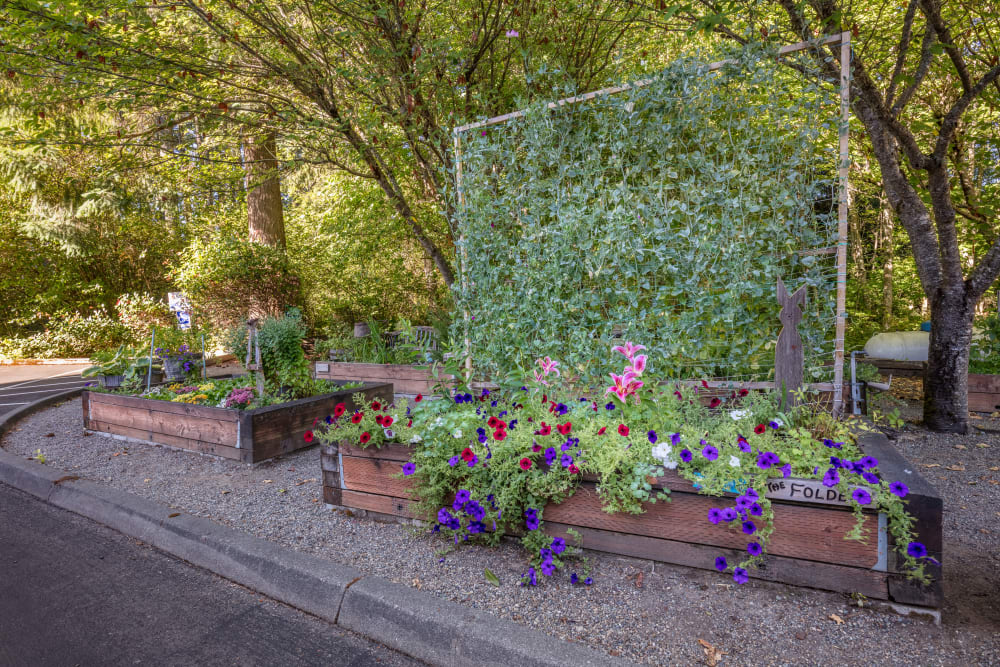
[[488, 463], [985, 354], [285, 366]]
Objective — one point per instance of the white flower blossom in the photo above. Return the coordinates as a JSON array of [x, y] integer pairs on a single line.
[[458, 433], [739, 414], [734, 462], [663, 452], [389, 433]]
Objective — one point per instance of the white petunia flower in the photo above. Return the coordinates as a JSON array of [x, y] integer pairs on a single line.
[[739, 414], [734, 462], [458, 433], [389, 433]]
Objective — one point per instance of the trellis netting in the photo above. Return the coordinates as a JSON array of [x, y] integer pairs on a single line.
[[663, 214]]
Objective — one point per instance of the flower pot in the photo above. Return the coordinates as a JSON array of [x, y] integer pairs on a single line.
[[110, 381], [361, 329], [176, 366]]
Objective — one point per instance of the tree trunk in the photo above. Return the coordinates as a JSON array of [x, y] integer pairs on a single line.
[[266, 218], [889, 250], [946, 380]]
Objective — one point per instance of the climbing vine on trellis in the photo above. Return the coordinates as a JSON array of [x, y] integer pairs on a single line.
[[664, 213]]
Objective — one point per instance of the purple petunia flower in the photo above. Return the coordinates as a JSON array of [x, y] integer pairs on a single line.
[[531, 518], [754, 548], [545, 554], [721, 564], [444, 516], [566, 446], [916, 549], [566, 460], [742, 503], [749, 528], [463, 496], [710, 452], [831, 478], [550, 455], [558, 545], [839, 463], [409, 468], [751, 494], [473, 461], [686, 455], [573, 578], [742, 443], [775, 425], [652, 437], [476, 527], [548, 568], [715, 515], [729, 514], [532, 578], [588, 581], [786, 470], [675, 439], [868, 461], [861, 496], [899, 489], [870, 477], [756, 510], [767, 459], [609, 406], [740, 576]]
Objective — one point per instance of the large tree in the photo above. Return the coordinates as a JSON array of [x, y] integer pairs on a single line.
[[925, 90]]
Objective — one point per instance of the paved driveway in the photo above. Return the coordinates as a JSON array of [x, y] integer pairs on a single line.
[[23, 384]]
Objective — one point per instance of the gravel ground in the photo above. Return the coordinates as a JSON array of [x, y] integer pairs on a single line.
[[656, 618]]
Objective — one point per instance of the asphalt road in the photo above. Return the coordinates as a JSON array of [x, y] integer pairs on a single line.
[[23, 384], [73, 592]]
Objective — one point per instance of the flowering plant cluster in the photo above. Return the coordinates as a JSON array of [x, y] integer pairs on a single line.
[[487, 463]]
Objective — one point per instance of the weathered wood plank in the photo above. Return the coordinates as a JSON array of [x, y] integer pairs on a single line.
[[809, 533], [374, 476], [984, 384], [169, 423], [827, 576], [166, 439], [387, 453], [85, 400], [374, 502], [979, 402], [204, 411]]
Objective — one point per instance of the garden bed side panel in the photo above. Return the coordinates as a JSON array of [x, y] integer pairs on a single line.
[[984, 392], [279, 429], [807, 547], [405, 379]]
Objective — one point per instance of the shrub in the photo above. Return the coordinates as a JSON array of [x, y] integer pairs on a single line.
[[70, 335], [139, 312], [285, 366]]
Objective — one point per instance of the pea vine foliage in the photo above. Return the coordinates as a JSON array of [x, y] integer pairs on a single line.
[[487, 464], [664, 213]]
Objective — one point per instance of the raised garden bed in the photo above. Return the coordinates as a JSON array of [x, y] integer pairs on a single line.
[[807, 547], [405, 379], [249, 436], [984, 393]]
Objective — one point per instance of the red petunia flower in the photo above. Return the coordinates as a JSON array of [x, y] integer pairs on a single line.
[[308, 437], [339, 409], [545, 398], [536, 447], [573, 469], [704, 384], [378, 420], [544, 430], [564, 429], [376, 405], [715, 402], [759, 428], [409, 424], [603, 429], [387, 421], [623, 430], [499, 434], [419, 398], [492, 422], [365, 437], [526, 463], [356, 417], [744, 392], [468, 455], [678, 395]]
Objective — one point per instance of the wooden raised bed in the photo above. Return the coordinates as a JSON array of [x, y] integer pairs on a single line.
[[249, 436], [984, 393], [807, 547], [405, 379]]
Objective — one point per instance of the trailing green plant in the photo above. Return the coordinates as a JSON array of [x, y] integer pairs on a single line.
[[487, 463], [984, 357], [665, 213]]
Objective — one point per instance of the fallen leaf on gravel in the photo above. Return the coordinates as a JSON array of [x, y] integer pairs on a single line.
[[837, 619], [281, 490], [932, 465], [171, 516], [66, 478], [995, 468], [959, 446], [87, 433], [147, 480], [984, 531], [50, 435], [800, 635], [305, 481], [225, 492], [982, 445], [712, 654], [315, 500], [490, 577], [638, 580], [955, 468], [268, 481], [418, 583]]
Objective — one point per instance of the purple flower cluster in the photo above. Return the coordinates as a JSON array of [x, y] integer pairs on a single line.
[[463, 509], [238, 396], [547, 557]]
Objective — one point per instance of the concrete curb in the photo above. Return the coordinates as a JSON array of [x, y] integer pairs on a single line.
[[412, 622], [43, 362], [9, 419]]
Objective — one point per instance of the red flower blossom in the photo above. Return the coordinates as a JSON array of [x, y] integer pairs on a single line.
[[744, 392], [704, 384], [564, 429], [603, 429], [499, 434], [501, 423], [715, 402], [595, 407], [468, 455], [365, 437], [376, 405], [315, 419], [678, 395], [759, 428], [387, 421], [409, 424], [492, 422], [308, 437], [536, 447], [526, 463], [356, 417], [339, 409], [623, 430], [419, 398], [378, 420], [544, 430], [545, 398], [573, 469]]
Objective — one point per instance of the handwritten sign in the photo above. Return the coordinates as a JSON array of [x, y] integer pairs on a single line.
[[804, 490]]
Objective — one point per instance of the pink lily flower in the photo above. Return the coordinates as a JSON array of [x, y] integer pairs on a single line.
[[638, 364], [629, 349], [549, 366], [539, 378]]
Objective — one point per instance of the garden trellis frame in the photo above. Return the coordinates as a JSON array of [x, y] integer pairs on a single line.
[[843, 40]]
